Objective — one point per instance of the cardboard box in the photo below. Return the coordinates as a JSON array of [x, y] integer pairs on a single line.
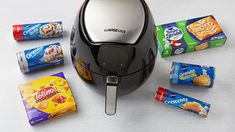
[[189, 36], [47, 97]]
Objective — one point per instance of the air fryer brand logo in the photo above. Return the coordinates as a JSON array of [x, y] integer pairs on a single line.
[[115, 30]]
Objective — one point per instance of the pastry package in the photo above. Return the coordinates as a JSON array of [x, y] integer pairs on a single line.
[[37, 31], [190, 74], [189, 36], [40, 57], [181, 101], [47, 97]]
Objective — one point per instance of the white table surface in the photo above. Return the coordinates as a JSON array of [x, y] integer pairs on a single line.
[[136, 112]]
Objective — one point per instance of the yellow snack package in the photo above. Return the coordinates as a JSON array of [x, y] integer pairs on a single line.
[[47, 98]]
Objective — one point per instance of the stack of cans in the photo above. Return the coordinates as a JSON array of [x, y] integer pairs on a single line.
[[39, 57], [192, 75]]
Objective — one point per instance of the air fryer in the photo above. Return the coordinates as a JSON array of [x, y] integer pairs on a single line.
[[113, 46]]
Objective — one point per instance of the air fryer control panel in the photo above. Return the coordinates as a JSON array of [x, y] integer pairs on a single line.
[[114, 60]]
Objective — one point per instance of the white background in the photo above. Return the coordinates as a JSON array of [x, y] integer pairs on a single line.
[[137, 112]]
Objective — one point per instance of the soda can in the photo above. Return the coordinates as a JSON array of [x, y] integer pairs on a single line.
[[183, 102], [37, 31], [194, 75], [40, 57]]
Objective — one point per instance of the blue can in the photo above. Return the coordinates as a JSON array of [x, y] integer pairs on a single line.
[[190, 74], [37, 31], [40, 57]]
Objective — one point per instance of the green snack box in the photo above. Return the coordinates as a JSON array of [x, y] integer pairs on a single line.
[[189, 36]]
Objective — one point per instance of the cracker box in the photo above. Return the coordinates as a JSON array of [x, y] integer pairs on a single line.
[[189, 36], [47, 98]]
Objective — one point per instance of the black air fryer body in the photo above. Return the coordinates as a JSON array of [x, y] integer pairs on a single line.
[[113, 46]]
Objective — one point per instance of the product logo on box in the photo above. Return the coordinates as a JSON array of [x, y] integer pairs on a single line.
[[45, 93], [32, 30], [178, 101], [179, 51], [188, 74], [173, 33], [33, 53]]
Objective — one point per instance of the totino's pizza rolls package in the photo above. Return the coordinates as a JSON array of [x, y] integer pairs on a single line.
[[47, 97]]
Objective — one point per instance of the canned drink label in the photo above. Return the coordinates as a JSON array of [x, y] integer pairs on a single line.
[[38, 30], [40, 57], [190, 74], [183, 102]]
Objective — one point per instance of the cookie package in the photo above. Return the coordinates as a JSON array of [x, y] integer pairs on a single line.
[[189, 36], [47, 98], [183, 102], [190, 74], [40, 57], [37, 31]]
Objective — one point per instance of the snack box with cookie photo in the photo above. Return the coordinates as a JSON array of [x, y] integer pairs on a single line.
[[189, 36], [194, 75], [47, 98], [181, 101], [40, 57], [37, 31]]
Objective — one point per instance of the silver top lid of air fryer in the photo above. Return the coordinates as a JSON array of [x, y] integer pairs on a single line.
[[114, 21]]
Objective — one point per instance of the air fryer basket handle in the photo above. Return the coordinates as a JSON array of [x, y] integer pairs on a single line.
[[111, 95]]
